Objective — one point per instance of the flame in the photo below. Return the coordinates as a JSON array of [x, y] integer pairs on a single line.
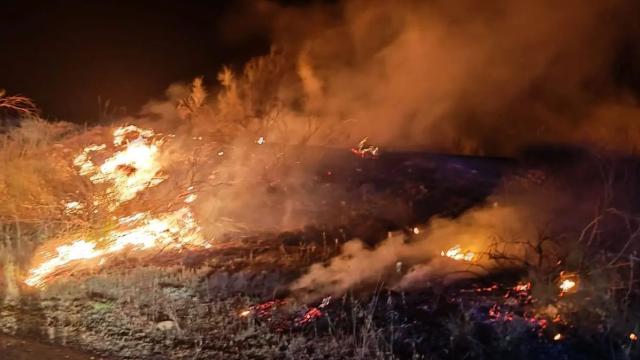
[[79, 249], [633, 337], [568, 283], [171, 231], [558, 337], [130, 170], [456, 253], [365, 150], [73, 207]]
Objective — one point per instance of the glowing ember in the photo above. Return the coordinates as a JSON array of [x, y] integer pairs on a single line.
[[310, 315], [558, 337], [633, 337], [522, 287], [456, 253], [416, 230], [263, 310], [266, 310], [313, 313]]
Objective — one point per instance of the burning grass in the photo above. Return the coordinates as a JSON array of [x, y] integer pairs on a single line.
[[358, 269], [128, 171]]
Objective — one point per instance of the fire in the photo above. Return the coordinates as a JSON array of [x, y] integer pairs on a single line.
[[174, 230], [132, 169], [456, 253], [523, 287], [633, 337], [310, 315], [266, 310], [73, 207], [568, 283], [78, 250], [366, 150], [558, 337], [128, 171]]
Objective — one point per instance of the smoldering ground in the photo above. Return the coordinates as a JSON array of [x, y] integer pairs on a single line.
[[531, 226]]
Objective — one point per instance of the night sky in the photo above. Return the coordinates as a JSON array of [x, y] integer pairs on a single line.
[[67, 54]]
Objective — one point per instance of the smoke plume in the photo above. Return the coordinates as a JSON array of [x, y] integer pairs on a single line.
[[470, 77], [487, 78], [512, 229]]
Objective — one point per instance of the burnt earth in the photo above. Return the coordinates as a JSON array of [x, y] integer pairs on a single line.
[[192, 305], [22, 349]]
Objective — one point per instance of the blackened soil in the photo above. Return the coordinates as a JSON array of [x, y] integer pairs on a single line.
[[21, 349]]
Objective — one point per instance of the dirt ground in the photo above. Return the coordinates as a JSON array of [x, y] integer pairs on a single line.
[[21, 349]]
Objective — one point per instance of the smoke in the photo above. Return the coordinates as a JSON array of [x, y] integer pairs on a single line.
[[510, 230], [231, 149], [486, 78], [465, 77], [359, 266], [489, 77]]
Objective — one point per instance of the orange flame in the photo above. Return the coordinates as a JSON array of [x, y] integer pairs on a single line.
[[132, 169], [456, 253], [568, 282], [128, 171]]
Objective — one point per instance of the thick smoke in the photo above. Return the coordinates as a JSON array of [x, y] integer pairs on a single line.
[[487, 77], [464, 76], [469, 77]]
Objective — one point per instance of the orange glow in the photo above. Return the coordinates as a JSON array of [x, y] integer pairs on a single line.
[[456, 253], [130, 170], [170, 231], [568, 283]]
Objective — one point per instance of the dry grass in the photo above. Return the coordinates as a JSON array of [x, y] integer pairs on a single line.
[[36, 175]]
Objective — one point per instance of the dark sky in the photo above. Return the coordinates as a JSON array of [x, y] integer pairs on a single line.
[[66, 53]]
